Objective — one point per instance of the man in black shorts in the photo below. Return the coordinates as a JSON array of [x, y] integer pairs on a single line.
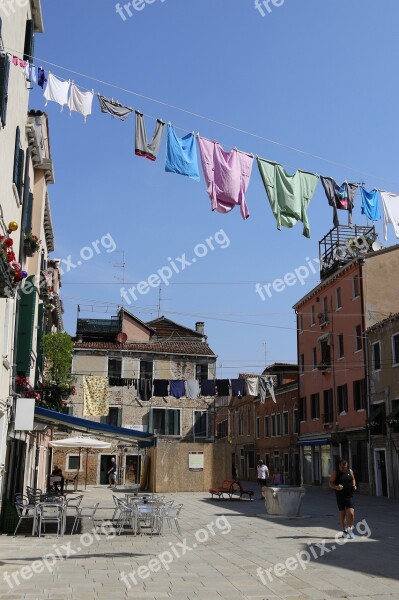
[[343, 482]]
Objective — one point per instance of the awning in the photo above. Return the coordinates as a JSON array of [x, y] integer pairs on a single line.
[[319, 442], [116, 434]]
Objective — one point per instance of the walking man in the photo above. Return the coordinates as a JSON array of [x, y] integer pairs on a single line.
[[112, 474], [343, 482], [263, 474]]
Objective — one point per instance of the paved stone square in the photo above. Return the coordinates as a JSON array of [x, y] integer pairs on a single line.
[[228, 549]]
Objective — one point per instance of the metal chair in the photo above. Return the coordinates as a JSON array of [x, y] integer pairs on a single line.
[[171, 515], [50, 513], [126, 512], [85, 512], [24, 508]]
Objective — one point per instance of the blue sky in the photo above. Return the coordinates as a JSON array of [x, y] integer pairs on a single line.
[[316, 76]]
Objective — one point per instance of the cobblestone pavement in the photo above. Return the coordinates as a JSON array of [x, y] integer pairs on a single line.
[[228, 549]]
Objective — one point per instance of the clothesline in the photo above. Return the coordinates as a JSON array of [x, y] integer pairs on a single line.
[[227, 174], [204, 117]]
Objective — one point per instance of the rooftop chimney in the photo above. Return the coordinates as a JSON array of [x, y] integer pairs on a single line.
[[200, 328]]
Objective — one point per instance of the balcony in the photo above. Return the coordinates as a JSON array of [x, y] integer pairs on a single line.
[[7, 286], [323, 319], [324, 366], [343, 244]]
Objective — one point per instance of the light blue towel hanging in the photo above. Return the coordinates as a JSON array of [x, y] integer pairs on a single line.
[[181, 155], [370, 204]]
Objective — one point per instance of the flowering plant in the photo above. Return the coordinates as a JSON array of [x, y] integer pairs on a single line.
[[7, 254], [33, 241]]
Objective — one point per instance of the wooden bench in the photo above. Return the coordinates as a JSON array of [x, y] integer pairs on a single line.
[[224, 488], [231, 488]]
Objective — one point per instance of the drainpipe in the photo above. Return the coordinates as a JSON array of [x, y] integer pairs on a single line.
[[366, 375]]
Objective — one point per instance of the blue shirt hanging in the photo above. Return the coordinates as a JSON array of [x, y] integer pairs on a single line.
[[181, 155], [370, 204]]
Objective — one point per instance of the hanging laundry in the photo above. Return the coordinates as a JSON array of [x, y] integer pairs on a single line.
[[181, 155], [56, 90], [222, 386], [262, 390], [270, 387], [95, 396], [252, 386], [370, 205], [192, 388], [15, 60], [80, 101], [161, 388], [32, 74], [208, 387], [22, 63], [145, 389], [238, 387], [142, 146], [390, 206], [289, 195], [340, 197], [41, 77], [113, 108], [227, 176], [27, 70], [177, 389]]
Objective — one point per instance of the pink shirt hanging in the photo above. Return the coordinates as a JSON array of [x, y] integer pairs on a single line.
[[227, 176]]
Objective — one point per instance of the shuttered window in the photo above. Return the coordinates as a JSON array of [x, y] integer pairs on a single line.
[[4, 76], [19, 163], [29, 40], [26, 317], [39, 336]]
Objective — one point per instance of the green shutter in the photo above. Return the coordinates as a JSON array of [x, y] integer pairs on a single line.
[[20, 176], [29, 40], [39, 359], [4, 75], [16, 156], [26, 315]]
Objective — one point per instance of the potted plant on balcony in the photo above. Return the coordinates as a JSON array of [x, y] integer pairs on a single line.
[[11, 272], [31, 244]]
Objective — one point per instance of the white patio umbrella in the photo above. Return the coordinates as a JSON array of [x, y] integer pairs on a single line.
[[81, 443]]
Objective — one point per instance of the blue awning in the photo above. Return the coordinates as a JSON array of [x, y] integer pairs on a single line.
[[319, 442], [53, 418]]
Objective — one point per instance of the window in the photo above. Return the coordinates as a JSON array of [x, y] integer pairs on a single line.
[[257, 427], [74, 462], [276, 460], [328, 406], [338, 298], [19, 160], [266, 432], [222, 430], [395, 349], [300, 323], [200, 423], [359, 399], [240, 424], [342, 394], [165, 420], [356, 286], [314, 358], [376, 356], [146, 369], [114, 367], [276, 425], [4, 76], [315, 405], [295, 423], [341, 345], [358, 337], [29, 40], [312, 316], [325, 307], [286, 463], [233, 424], [325, 353], [302, 409], [114, 416], [302, 364], [201, 372], [248, 422], [285, 423]]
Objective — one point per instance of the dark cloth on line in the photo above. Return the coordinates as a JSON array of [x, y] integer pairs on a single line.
[[222, 386], [161, 387], [114, 108], [237, 387], [177, 389], [208, 387]]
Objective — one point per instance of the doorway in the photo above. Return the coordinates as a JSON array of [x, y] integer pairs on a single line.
[[105, 465], [133, 469], [380, 466]]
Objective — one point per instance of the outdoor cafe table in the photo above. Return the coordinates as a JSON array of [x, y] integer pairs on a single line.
[[152, 509]]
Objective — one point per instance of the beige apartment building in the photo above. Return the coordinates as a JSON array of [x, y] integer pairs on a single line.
[[383, 420], [19, 25]]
